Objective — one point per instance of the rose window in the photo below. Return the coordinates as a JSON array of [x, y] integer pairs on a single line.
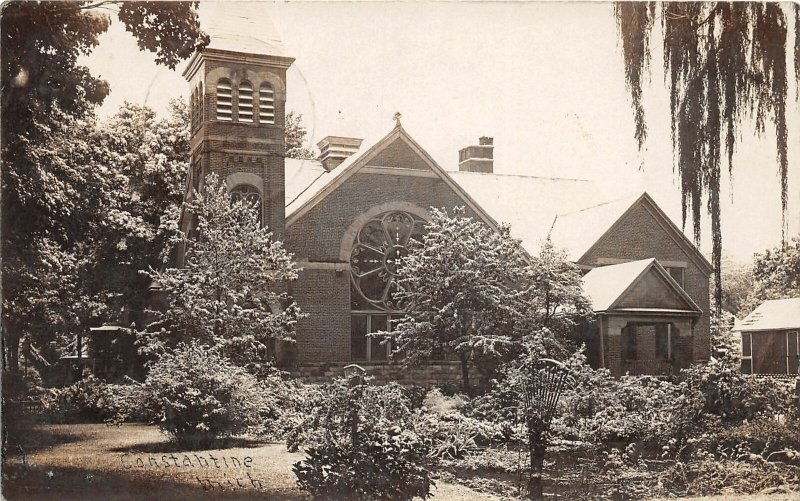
[[377, 250]]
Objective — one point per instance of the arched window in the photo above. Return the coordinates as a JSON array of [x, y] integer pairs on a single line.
[[193, 109], [250, 195], [200, 105], [224, 100], [377, 249], [246, 102], [266, 104]]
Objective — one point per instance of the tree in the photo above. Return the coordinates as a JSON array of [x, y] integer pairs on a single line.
[[724, 62], [776, 274], [44, 93], [116, 187], [227, 295], [296, 137], [473, 291]]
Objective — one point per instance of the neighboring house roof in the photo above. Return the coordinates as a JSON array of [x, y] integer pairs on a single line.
[[772, 315], [607, 286]]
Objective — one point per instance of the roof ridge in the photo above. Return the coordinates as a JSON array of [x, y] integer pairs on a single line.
[[526, 176], [607, 202]]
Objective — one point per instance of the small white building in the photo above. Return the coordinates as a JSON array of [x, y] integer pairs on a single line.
[[770, 343]]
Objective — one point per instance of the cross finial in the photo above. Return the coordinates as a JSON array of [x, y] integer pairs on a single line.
[[397, 117]]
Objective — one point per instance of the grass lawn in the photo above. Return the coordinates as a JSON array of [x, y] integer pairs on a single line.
[[95, 461]]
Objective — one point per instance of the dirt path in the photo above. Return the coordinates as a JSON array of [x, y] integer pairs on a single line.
[[66, 462]]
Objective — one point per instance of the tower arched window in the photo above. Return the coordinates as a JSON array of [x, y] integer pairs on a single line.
[[193, 109], [377, 250], [249, 195], [200, 104], [224, 100], [266, 104], [246, 102]]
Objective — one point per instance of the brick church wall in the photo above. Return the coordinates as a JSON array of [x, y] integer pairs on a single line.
[[324, 335], [639, 236], [317, 236]]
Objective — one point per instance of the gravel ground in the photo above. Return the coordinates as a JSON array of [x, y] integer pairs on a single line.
[[95, 461]]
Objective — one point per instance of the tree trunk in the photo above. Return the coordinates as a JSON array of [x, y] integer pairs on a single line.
[[11, 348], [465, 374]]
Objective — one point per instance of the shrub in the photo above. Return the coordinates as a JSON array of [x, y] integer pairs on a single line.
[[764, 437], [89, 400], [735, 397], [712, 476], [362, 443], [200, 396], [384, 464]]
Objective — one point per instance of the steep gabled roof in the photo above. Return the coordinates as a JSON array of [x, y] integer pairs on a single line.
[[528, 204], [581, 231], [326, 182], [771, 315], [608, 286], [578, 230]]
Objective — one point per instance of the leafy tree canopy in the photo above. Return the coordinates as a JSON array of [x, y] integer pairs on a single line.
[[473, 291], [227, 296], [109, 193], [60, 177], [776, 274], [723, 62], [296, 136]]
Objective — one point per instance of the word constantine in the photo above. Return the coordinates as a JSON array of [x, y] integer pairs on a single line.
[[184, 461]]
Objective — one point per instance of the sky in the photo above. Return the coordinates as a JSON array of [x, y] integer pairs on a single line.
[[545, 80]]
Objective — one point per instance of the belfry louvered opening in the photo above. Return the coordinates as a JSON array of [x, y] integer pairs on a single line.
[[246, 102], [266, 104], [224, 100]]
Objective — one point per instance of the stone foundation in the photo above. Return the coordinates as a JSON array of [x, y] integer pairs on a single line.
[[434, 374]]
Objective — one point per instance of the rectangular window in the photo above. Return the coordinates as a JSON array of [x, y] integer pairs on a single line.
[[793, 352], [747, 353], [378, 351], [366, 348], [677, 274], [358, 337]]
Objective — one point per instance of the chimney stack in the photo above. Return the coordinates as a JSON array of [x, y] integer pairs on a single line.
[[333, 150], [477, 158]]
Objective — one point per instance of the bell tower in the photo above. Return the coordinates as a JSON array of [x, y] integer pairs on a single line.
[[237, 107]]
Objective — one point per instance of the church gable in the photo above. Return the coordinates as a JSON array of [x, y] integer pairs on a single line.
[[644, 231], [652, 290], [315, 228], [398, 154]]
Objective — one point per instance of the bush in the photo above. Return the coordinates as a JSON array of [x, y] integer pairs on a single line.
[[385, 464], [200, 396], [362, 443], [712, 476], [89, 400]]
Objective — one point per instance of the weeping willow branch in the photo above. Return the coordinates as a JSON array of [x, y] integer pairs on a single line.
[[724, 62]]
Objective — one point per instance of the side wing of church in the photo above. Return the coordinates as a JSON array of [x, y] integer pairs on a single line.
[[348, 216]]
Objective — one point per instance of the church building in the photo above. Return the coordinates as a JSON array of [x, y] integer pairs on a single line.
[[348, 215]]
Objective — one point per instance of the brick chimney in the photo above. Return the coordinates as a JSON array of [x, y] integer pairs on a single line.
[[477, 158], [333, 150]]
